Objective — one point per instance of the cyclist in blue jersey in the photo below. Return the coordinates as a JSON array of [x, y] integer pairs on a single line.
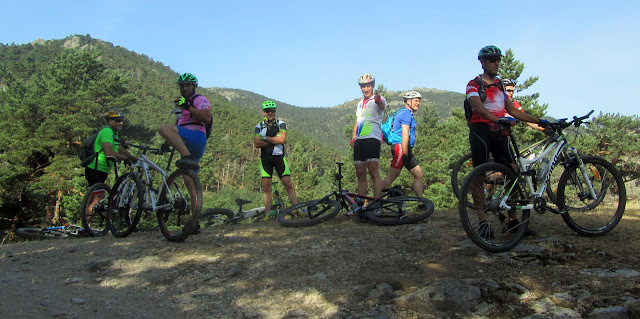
[[270, 136], [367, 136], [188, 136], [404, 125]]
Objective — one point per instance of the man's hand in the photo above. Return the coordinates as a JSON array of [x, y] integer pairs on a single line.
[[352, 141], [377, 98], [543, 123], [506, 121]]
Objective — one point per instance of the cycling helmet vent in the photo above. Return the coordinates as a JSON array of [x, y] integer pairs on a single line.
[[114, 114]]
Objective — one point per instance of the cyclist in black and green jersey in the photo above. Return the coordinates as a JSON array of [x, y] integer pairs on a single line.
[[269, 137]]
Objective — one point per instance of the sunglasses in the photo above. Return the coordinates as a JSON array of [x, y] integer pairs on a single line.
[[510, 90], [119, 121], [493, 59], [270, 110]]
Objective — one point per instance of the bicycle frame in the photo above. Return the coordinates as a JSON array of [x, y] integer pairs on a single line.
[[142, 167], [552, 147]]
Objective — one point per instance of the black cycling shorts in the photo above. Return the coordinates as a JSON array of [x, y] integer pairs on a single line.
[[367, 149], [484, 141], [94, 176], [277, 162]]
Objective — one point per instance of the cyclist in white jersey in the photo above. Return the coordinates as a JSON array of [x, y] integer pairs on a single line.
[[367, 136]]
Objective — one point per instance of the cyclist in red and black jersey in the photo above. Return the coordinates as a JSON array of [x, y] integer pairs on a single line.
[[485, 136]]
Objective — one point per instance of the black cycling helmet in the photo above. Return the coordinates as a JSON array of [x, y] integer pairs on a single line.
[[114, 114], [508, 82], [187, 78], [489, 51]]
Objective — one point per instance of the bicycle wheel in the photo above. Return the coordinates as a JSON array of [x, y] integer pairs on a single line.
[[94, 209], [215, 217], [401, 210], [309, 213], [491, 227], [39, 233], [125, 205], [182, 201], [460, 170], [586, 215]]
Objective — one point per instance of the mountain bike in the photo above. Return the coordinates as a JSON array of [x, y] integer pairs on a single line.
[[95, 203], [53, 232], [391, 209], [219, 216], [495, 200], [176, 199], [464, 166]]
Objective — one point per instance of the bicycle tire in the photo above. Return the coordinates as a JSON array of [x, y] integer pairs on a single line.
[[400, 210], [123, 220], [181, 218], [94, 219], [460, 170], [489, 182], [38, 233], [215, 217], [593, 217], [309, 213]]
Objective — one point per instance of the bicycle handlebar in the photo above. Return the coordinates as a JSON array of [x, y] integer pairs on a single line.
[[144, 148]]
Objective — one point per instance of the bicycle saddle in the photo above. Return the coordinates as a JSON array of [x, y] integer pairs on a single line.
[[241, 201]]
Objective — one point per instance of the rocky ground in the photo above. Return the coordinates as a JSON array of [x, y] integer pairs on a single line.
[[340, 269]]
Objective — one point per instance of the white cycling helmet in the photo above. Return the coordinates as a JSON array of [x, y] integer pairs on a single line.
[[367, 79], [411, 95]]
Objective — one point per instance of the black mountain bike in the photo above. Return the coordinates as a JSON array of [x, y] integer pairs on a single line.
[[391, 209]]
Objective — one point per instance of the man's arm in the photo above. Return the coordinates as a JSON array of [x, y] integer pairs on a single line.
[[203, 115], [280, 138], [522, 116], [109, 152], [478, 108], [405, 138]]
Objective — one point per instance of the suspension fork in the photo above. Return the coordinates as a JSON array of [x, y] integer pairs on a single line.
[[585, 176]]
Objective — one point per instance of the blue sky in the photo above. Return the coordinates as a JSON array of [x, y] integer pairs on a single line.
[[311, 53]]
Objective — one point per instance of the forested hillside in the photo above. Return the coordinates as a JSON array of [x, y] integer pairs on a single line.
[[333, 126], [54, 93]]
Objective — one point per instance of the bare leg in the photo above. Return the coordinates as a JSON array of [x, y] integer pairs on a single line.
[[418, 180], [361, 174], [391, 176], [170, 133], [374, 171], [266, 194], [288, 185]]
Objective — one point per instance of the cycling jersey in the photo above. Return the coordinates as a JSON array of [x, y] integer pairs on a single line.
[[405, 116], [265, 129], [369, 118], [106, 135], [190, 122], [494, 102]]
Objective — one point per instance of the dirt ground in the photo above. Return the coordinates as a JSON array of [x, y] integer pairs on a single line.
[[263, 270]]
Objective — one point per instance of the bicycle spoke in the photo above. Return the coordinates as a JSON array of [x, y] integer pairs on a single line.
[[184, 198]]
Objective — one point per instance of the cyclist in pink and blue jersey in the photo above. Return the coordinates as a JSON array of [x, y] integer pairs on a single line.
[[189, 135]]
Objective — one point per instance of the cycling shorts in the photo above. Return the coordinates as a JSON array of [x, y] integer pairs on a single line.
[[195, 141], [277, 162], [366, 150], [485, 140], [94, 176], [397, 162]]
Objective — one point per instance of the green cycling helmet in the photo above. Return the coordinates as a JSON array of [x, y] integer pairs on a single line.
[[268, 105], [187, 78], [489, 51]]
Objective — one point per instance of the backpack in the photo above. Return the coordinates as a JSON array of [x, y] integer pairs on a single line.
[[387, 130], [207, 126], [88, 154], [468, 111]]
